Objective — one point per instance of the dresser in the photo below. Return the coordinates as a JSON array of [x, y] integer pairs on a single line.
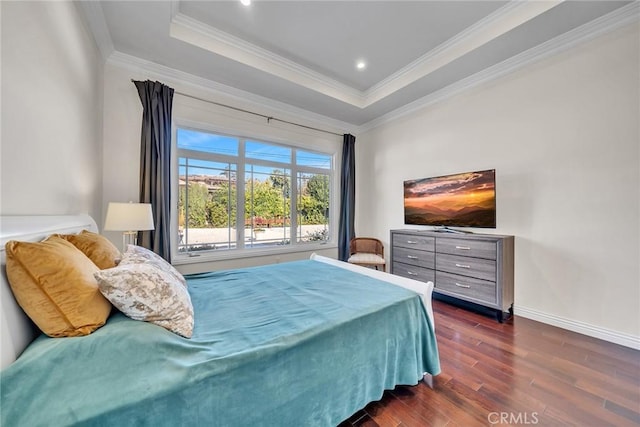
[[476, 268]]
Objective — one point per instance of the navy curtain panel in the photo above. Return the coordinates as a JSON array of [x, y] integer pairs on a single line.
[[346, 230], [155, 163]]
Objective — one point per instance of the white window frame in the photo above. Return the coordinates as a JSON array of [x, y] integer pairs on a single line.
[[241, 161]]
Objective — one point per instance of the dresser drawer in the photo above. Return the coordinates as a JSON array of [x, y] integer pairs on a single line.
[[469, 288], [473, 248], [423, 243], [466, 266], [413, 272], [477, 268], [414, 257]]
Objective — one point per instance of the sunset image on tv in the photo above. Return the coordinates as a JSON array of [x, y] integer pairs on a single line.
[[461, 200]]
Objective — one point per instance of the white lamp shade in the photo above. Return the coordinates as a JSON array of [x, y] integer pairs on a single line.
[[129, 217]]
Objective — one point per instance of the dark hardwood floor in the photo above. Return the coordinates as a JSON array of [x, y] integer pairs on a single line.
[[520, 372]]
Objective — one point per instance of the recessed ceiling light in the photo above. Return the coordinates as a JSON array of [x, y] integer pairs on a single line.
[[245, 2], [361, 65]]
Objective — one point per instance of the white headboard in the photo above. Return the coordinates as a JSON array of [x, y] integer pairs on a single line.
[[16, 329]]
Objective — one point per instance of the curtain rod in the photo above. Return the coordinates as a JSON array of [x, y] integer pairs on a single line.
[[269, 118]]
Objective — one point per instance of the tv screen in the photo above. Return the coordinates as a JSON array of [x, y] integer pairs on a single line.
[[460, 200]]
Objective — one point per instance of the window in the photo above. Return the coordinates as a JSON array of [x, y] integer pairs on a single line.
[[236, 194]]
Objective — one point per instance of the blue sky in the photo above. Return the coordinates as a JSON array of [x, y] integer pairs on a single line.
[[220, 144]]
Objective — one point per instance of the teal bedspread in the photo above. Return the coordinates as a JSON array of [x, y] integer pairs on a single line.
[[294, 344]]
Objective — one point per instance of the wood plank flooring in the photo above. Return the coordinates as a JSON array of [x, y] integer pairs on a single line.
[[520, 372]]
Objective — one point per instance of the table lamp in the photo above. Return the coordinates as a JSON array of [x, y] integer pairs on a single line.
[[129, 218]]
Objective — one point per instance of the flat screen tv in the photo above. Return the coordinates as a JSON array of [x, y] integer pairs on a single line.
[[459, 200]]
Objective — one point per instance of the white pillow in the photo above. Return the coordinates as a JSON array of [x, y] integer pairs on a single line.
[[139, 255], [146, 292]]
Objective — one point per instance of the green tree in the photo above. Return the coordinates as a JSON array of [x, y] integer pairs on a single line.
[[197, 204], [281, 181], [222, 206], [313, 202], [263, 200], [318, 188]]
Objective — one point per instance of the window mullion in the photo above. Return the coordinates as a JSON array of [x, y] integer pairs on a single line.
[[294, 200], [240, 189], [203, 155], [186, 203]]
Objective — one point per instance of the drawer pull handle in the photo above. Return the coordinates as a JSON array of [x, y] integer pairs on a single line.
[[463, 265], [412, 242], [411, 273], [464, 248], [462, 286], [412, 257]]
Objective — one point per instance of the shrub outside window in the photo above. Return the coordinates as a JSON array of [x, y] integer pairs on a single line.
[[236, 194]]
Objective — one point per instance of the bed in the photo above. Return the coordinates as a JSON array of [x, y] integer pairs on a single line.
[[300, 343]]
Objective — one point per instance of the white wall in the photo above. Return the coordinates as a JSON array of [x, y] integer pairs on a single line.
[[563, 136], [51, 145], [122, 124]]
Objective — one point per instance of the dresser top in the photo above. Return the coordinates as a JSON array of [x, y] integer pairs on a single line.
[[454, 235]]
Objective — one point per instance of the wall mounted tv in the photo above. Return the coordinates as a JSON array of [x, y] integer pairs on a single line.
[[459, 200]]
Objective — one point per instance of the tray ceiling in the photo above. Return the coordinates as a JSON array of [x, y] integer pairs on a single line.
[[304, 53]]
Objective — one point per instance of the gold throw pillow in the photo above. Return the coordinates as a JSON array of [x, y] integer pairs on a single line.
[[98, 248], [53, 282]]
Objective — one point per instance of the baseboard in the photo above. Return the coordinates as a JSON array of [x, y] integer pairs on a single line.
[[626, 340]]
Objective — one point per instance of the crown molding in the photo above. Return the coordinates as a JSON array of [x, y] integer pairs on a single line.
[[203, 87], [174, 8], [618, 18], [508, 17], [94, 16], [194, 32], [505, 19]]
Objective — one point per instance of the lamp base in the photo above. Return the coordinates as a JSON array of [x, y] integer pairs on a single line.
[[129, 238]]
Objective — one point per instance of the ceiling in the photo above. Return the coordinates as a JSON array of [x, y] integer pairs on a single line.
[[304, 53]]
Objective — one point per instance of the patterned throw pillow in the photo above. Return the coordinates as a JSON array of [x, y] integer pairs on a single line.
[[148, 293], [139, 255]]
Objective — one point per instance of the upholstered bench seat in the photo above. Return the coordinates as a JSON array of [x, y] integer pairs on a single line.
[[366, 259]]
